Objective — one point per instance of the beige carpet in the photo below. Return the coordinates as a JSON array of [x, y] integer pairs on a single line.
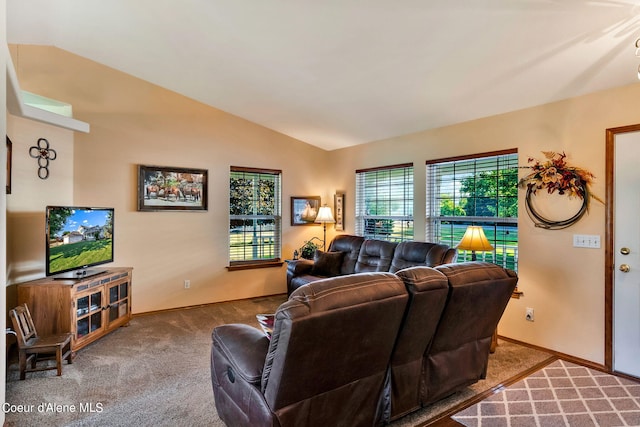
[[561, 394], [156, 372]]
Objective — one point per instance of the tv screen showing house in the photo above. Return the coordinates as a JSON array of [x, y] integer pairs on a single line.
[[78, 237]]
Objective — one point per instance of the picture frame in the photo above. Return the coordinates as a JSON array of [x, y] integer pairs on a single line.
[[338, 205], [304, 210], [162, 188], [9, 155]]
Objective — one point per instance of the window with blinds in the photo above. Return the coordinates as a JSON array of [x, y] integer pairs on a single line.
[[475, 190], [384, 203], [254, 216]]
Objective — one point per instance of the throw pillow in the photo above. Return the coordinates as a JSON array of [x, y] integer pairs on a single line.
[[327, 263]]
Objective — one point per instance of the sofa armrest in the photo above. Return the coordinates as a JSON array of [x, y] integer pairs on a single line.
[[244, 348], [450, 256], [298, 267], [238, 355]]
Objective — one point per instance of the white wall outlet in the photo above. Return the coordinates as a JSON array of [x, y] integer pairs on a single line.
[[187, 284], [529, 315]]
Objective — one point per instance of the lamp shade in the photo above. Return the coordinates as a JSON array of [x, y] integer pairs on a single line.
[[325, 215], [474, 240]]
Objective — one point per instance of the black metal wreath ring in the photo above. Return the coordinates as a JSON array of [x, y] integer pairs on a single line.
[[43, 153], [542, 222]]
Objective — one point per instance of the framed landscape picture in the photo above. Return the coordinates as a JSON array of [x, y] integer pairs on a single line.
[[170, 188], [304, 210]]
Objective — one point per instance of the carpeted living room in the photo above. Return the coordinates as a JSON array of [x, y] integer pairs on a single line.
[[209, 136], [156, 372], [159, 374]]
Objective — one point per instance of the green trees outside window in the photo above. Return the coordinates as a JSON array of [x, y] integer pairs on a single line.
[[475, 190], [254, 215]]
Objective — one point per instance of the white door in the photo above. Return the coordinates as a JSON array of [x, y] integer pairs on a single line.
[[626, 286]]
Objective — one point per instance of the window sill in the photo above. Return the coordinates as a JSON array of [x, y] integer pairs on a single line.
[[253, 264]]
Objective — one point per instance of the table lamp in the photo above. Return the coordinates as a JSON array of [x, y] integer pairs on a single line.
[[474, 240], [325, 216]]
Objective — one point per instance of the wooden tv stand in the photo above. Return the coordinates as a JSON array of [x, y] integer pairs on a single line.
[[89, 307]]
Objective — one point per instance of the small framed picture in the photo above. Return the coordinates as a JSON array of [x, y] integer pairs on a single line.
[[338, 203], [304, 210], [169, 189]]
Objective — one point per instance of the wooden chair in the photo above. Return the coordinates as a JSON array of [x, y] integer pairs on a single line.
[[31, 346]]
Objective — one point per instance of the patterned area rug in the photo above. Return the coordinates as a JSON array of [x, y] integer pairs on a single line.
[[561, 394]]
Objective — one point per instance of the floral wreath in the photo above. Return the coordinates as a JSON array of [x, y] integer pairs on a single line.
[[555, 174]]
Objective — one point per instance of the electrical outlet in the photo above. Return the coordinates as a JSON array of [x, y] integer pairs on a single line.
[[187, 284], [529, 315]]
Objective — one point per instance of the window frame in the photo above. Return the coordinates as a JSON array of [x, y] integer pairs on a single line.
[[407, 201], [250, 263], [493, 225]]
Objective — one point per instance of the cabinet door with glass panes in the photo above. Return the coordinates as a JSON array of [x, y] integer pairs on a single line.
[[88, 314], [118, 302]]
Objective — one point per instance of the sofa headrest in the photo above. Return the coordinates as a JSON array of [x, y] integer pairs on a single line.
[[409, 254], [421, 279], [350, 245], [474, 271], [375, 255], [343, 291], [346, 243]]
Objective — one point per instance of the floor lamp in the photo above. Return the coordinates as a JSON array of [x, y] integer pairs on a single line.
[[474, 240], [325, 216]]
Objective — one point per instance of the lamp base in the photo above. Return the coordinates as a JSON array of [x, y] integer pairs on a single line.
[[324, 241]]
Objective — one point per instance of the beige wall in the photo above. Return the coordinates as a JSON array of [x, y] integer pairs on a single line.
[[565, 285], [25, 212], [134, 122], [4, 56]]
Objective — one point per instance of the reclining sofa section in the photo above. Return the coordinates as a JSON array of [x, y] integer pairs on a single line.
[[327, 360], [361, 349], [354, 254]]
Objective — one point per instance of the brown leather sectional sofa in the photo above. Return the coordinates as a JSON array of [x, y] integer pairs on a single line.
[[361, 349], [349, 254]]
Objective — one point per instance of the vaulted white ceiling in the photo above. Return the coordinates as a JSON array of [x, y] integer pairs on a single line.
[[336, 73]]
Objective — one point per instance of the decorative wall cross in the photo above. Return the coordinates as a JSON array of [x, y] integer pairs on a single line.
[[43, 153]]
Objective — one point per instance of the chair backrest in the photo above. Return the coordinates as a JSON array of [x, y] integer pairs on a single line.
[[478, 295], [428, 290], [331, 344], [350, 245], [375, 255], [411, 254], [23, 324]]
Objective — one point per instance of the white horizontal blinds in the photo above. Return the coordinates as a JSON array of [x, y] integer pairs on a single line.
[[475, 190], [254, 215], [384, 203]]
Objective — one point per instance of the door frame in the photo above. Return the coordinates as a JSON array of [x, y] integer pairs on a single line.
[[609, 267]]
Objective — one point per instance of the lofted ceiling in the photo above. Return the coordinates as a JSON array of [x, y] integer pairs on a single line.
[[336, 73]]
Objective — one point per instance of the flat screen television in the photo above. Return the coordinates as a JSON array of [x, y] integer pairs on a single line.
[[78, 238]]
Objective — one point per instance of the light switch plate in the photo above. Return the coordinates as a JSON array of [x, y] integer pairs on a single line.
[[586, 241]]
